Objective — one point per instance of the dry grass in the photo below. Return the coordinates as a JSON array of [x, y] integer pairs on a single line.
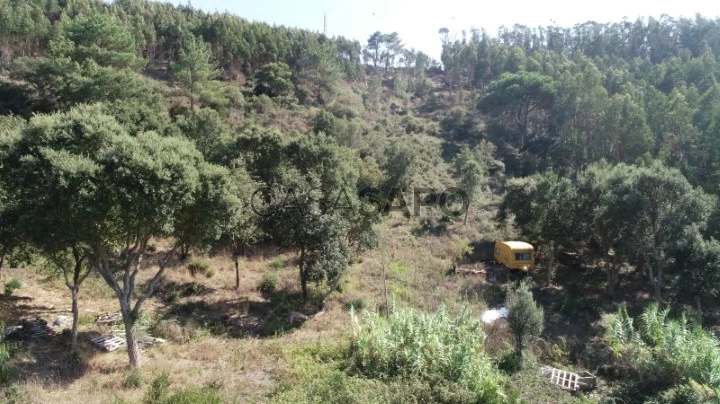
[[220, 340]]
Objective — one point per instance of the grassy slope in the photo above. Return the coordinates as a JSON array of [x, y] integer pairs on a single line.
[[241, 341]]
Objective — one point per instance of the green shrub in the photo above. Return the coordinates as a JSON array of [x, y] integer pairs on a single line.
[[424, 346], [12, 286], [267, 283], [525, 317], [158, 392], [665, 352], [5, 369], [133, 378], [86, 319], [494, 295], [319, 374], [194, 289], [510, 362], [205, 395], [199, 266], [209, 273], [691, 393], [277, 263], [15, 395], [172, 297]]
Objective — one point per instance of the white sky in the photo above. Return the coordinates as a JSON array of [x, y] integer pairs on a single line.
[[418, 22]]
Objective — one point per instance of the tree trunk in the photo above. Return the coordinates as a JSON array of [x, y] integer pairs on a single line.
[[132, 347], [551, 259], [2, 261], [237, 272], [519, 346], [656, 281], [612, 271], [76, 318], [303, 275]]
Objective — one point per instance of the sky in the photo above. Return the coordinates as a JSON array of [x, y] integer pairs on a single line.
[[418, 23]]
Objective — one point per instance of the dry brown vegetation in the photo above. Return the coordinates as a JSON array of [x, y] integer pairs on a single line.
[[239, 341]]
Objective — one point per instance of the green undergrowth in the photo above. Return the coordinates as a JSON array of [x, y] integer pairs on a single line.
[[343, 371]]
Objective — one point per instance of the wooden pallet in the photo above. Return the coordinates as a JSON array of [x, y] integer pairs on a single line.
[[568, 380], [108, 342], [109, 318]]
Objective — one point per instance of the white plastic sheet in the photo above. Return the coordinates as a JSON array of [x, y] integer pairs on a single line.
[[491, 315]]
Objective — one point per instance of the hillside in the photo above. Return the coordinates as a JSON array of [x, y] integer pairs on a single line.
[[311, 219]]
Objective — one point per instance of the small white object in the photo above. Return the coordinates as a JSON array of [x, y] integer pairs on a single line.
[[491, 315], [61, 321]]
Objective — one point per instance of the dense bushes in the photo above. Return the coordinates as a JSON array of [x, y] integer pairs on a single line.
[[433, 347], [5, 370], [665, 353]]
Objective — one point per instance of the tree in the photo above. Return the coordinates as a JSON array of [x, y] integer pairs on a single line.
[[374, 47], [247, 227], [73, 263], [52, 181], [524, 317], [603, 222], [545, 210], [392, 47], [194, 66], [659, 204], [374, 92], [107, 194], [274, 80], [207, 129], [403, 162], [700, 268], [521, 101], [471, 173], [311, 200], [10, 239], [184, 190], [320, 233], [100, 38]]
